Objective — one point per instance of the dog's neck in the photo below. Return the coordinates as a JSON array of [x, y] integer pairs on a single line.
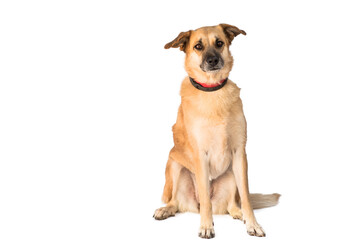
[[208, 87], [208, 78], [208, 81]]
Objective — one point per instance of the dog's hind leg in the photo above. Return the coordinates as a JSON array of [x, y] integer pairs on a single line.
[[180, 157], [186, 194], [168, 188], [173, 170], [225, 196]]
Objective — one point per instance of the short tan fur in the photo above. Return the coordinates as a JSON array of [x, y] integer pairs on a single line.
[[207, 168]]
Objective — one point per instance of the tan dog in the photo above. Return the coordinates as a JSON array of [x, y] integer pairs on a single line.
[[207, 167]]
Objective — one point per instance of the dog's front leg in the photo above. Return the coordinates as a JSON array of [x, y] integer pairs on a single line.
[[203, 185], [241, 178]]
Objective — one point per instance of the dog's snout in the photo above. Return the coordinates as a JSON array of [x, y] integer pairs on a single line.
[[212, 60]]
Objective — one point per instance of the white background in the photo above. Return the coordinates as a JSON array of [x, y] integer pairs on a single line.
[[88, 96]]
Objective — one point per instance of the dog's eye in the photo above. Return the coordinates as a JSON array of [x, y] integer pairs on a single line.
[[219, 44], [198, 46]]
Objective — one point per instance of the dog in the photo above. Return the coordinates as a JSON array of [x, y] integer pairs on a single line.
[[206, 171]]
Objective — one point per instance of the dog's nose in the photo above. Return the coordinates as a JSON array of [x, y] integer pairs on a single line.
[[212, 61]]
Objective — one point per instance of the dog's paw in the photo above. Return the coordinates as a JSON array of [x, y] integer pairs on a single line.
[[255, 229], [164, 213], [236, 213], [206, 232]]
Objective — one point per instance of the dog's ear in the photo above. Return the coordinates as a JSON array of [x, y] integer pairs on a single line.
[[180, 41], [231, 31]]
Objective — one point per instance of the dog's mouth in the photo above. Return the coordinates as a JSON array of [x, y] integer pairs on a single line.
[[213, 69]]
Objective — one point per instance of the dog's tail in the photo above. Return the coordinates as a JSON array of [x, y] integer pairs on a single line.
[[259, 200]]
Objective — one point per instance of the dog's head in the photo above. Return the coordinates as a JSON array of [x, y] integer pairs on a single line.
[[208, 58]]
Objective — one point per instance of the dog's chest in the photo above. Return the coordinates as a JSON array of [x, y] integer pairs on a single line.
[[213, 141]]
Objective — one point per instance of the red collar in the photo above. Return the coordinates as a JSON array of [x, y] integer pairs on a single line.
[[212, 84], [208, 87]]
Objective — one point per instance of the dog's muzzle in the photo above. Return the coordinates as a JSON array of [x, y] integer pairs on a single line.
[[212, 62]]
